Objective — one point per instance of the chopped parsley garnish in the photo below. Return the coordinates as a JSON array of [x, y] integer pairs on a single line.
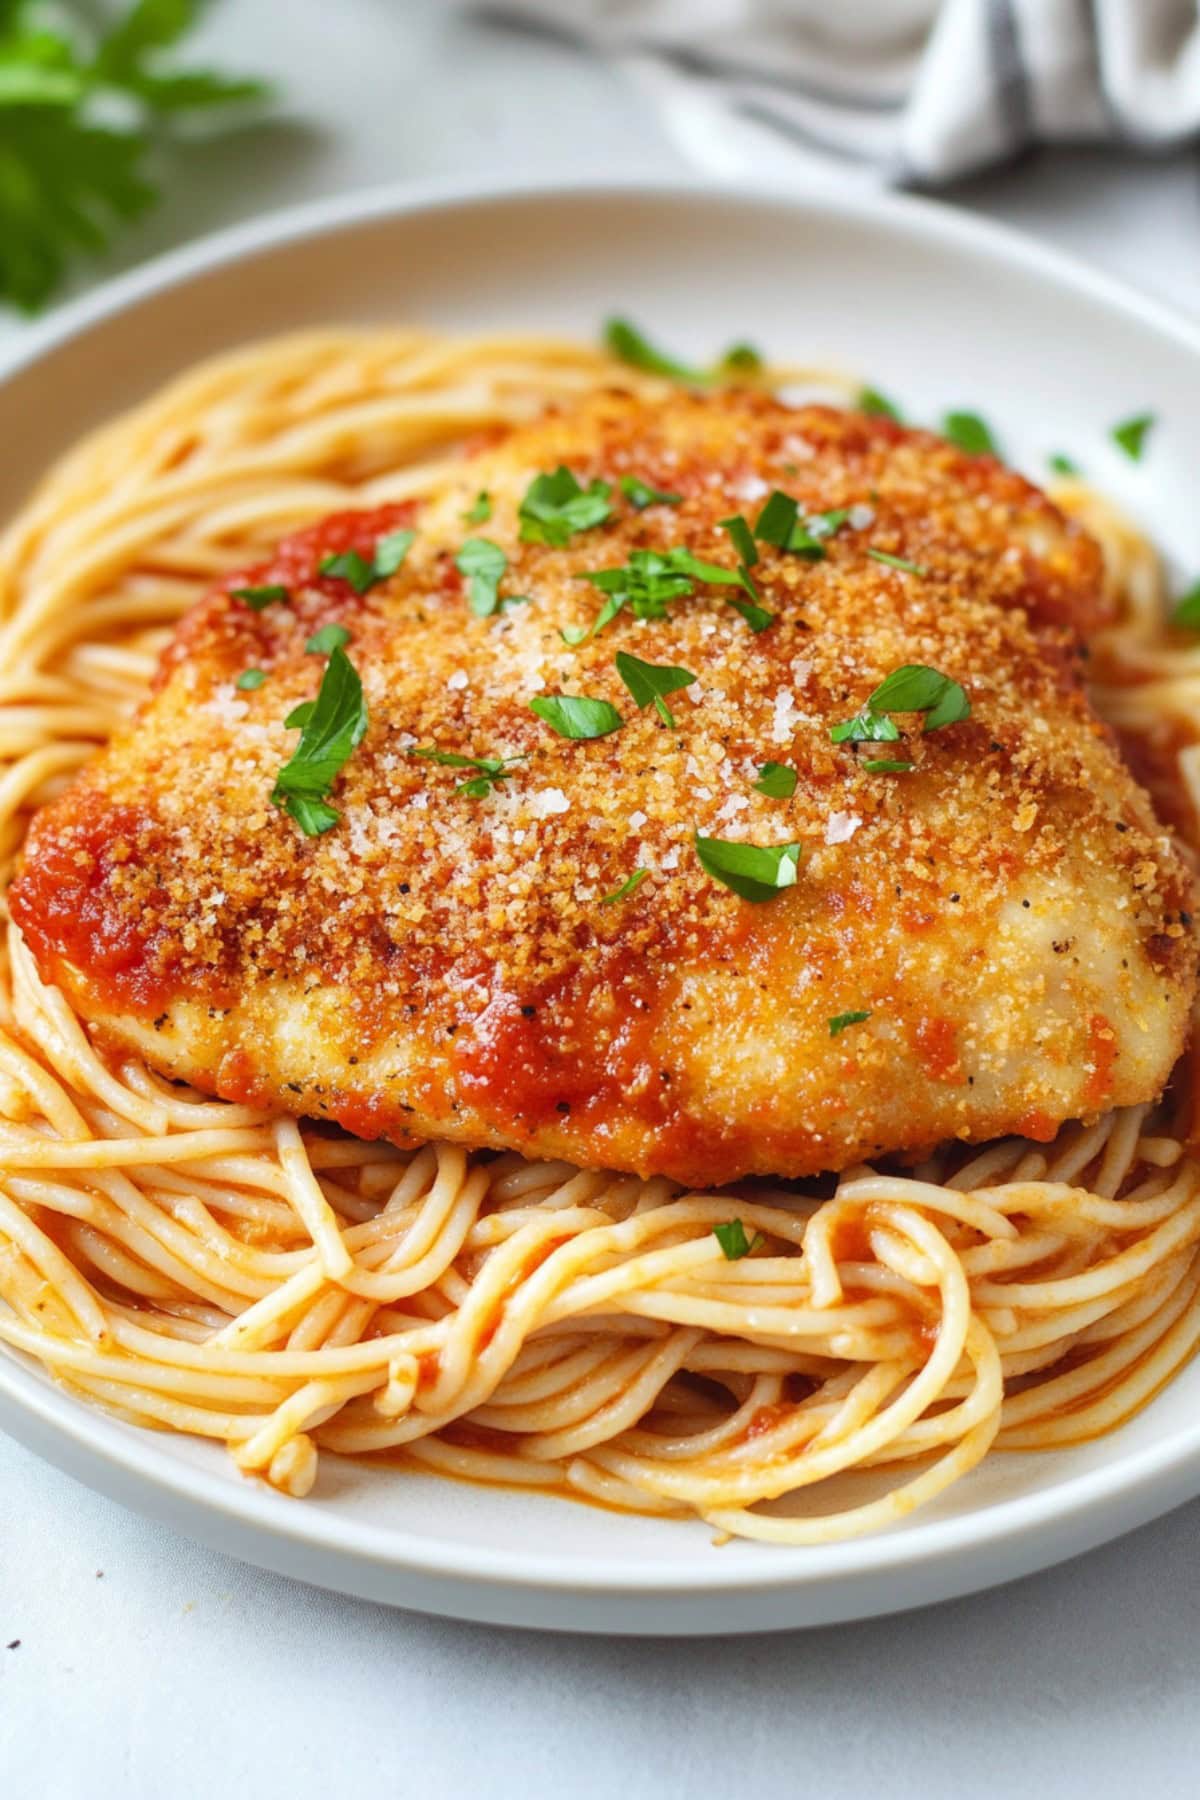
[[897, 562], [912, 688], [734, 1242], [640, 494], [840, 1021], [492, 770], [651, 579], [1063, 465], [917, 688], [330, 637], [648, 682], [870, 400], [1186, 610], [1130, 434], [882, 765], [629, 886], [625, 341], [754, 871], [257, 598], [390, 552], [577, 715], [742, 539], [249, 679], [970, 433], [866, 727], [779, 523], [776, 781], [480, 510], [483, 563], [332, 727], [556, 506]]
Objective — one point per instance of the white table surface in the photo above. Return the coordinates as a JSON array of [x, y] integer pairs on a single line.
[[147, 1666]]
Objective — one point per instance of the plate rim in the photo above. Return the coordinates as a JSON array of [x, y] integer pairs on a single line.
[[1108, 1500]]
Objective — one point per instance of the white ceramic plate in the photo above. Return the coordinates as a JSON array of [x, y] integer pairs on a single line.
[[938, 310]]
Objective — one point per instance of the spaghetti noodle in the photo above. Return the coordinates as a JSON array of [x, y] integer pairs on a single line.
[[203, 1267]]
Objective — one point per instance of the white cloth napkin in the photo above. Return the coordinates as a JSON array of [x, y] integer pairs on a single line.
[[911, 91]]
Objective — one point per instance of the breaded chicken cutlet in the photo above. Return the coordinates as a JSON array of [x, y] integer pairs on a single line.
[[964, 919]]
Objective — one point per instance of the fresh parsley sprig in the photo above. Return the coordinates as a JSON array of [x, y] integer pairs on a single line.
[[754, 871], [331, 728], [625, 341], [491, 770], [556, 506], [649, 682], [914, 687], [388, 556], [80, 110]]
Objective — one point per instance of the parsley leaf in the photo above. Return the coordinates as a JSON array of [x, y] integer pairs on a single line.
[[556, 506], [483, 563], [917, 688], [348, 565], [776, 519], [257, 598], [1130, 434], [652, 579], [970, 433], [577, 715], [80, 114], [1186, 611], [742, 539], [779, 523], [1063, 465], [734, 1242], [492, 769], [883, 765], [480, 510], [640, 494], [897, 562], [754, 871], [776, 781], [840, 1021], [866, 727], [332, 727], [249, 679], [870, 400], [626, 342], [648, 682], [630, 885], [330, 637]]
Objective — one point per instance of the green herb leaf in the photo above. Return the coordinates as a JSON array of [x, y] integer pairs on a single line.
[[640, 494], [648, 682], [734, 1242], [388, 555], [483, 563], [627, 887], [882, 765], [330, 637], [625, 341], [824, 524], [866, 727], [754, 871], [299, 715], [897, 562], [390, 552], [742, 539], [257, 598], [332, 728], [577, 715], [756, 617], [776, 781], [348, 565], [870, 400], [840, 1021], [555, 507], [777, 520], [970, 433], [249, 679], [917, 688], [1131, 434], [1063, 465], [492, 769], [81, 113], [1186, 611], [480, 511]]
